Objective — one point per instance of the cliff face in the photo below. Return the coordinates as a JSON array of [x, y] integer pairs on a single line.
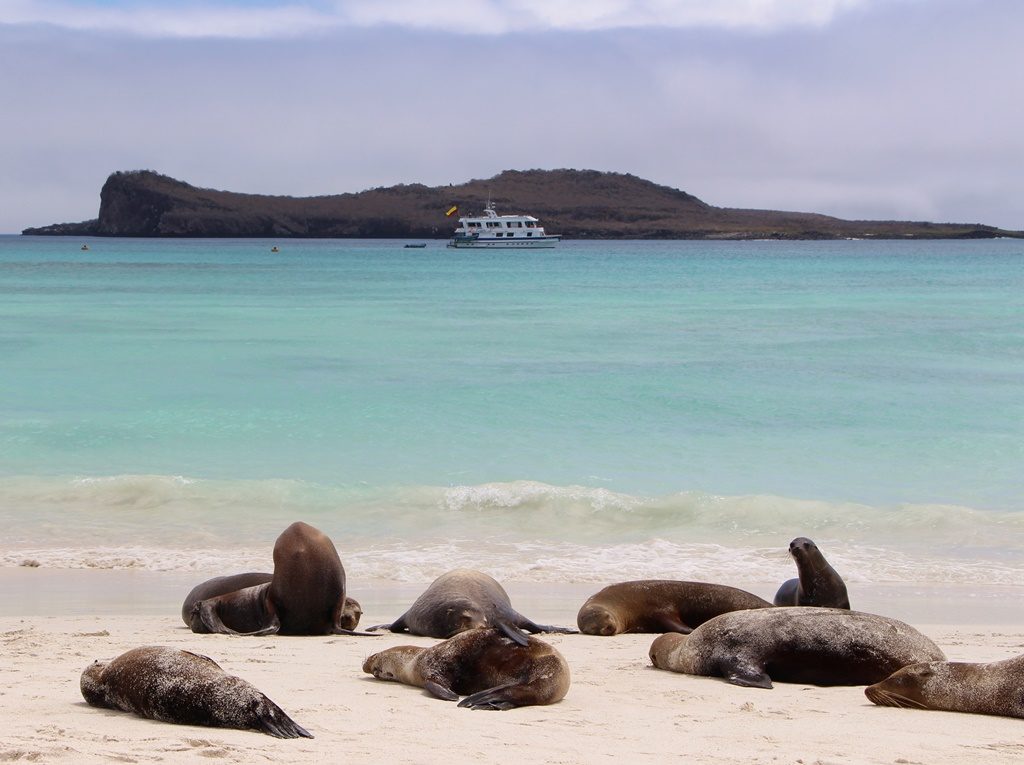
[[574, 203]]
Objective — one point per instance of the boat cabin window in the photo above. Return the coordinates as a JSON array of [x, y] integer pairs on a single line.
[[474, 224], [529, 233], [529, 224], [493, 224]]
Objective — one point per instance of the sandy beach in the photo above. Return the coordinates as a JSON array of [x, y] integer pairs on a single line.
[[618, 706]]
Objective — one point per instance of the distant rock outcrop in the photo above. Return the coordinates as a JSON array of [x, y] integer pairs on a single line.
[[578, 204]]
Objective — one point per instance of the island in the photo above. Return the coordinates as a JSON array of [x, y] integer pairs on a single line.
[[578, 204]]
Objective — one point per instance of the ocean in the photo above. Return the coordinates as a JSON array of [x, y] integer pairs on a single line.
[[598, 412]]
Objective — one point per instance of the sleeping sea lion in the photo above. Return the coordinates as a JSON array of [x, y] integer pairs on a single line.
[[660, 605], [222, 585], [305, 596], [818, 585], [463, 600], [985, 689], [180, 687], [817, 646], [495, 671]]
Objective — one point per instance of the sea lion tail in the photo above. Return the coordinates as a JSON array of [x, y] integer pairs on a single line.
[[273, 721]]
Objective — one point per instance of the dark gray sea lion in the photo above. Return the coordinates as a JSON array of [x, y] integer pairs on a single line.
[[305, 596], [180, 687], [222, 585], [463, 600], [818, 646], [485, 665], [818, 585], [660, 605], [996, 688]]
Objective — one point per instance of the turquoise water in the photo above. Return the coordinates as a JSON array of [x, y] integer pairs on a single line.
[[156, 392]]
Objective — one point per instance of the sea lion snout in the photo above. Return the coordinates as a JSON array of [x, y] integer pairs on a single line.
[[662, 646], [903, 688], [800, 546], [598, 620]]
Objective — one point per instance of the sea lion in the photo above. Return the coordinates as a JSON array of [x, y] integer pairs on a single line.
[[660, 605], [463, 600], [818, 585], [817, 646], [305, 596], [984, 689], [222, 585], [176, 686], [495, 671]]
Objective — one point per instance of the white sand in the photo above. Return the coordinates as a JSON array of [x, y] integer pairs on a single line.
[[618, 706]]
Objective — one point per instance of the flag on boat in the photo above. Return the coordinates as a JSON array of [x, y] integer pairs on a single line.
[[451, 211]]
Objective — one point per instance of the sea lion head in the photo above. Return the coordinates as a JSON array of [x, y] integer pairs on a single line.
[[595, 619], [93, 689], [351, 614], [802, 549], [464, 615], [664, 647], [908, 687], [393, 663]]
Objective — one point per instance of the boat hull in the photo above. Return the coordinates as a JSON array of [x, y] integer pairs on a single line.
[[505, 244]]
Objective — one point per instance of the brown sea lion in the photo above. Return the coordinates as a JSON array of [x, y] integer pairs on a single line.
[[495, 671], [222, 585], [180, 687], [996, 688], [818, 585], [305, 596], [660, 605], [463, 600], [817, 646]]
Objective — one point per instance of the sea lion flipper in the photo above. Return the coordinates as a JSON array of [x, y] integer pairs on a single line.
[[398, 625], [435, 688], [672, 623], [497, 698], [531, 626], [513, 633], [273, 720], [747, 675], [343, 631]]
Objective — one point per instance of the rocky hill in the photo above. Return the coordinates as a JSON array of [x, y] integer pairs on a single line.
[[578, 204]]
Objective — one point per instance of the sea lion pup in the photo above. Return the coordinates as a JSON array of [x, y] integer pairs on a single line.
[[462, 600], [817, 646], [222, 585], [984, 689], [181, 687], [818, 585], [495, 671], [660, 605], [305, 596]]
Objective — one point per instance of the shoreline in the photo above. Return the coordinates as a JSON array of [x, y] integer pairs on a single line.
[[41, 592]]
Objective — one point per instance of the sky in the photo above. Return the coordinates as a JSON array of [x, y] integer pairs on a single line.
[[876, 109]]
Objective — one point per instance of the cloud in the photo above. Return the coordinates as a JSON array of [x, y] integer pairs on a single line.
[[226, 19]]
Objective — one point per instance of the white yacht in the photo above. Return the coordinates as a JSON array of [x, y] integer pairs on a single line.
[[493, 230]]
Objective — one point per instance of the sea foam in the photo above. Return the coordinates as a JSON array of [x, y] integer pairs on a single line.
[[523, 530]]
